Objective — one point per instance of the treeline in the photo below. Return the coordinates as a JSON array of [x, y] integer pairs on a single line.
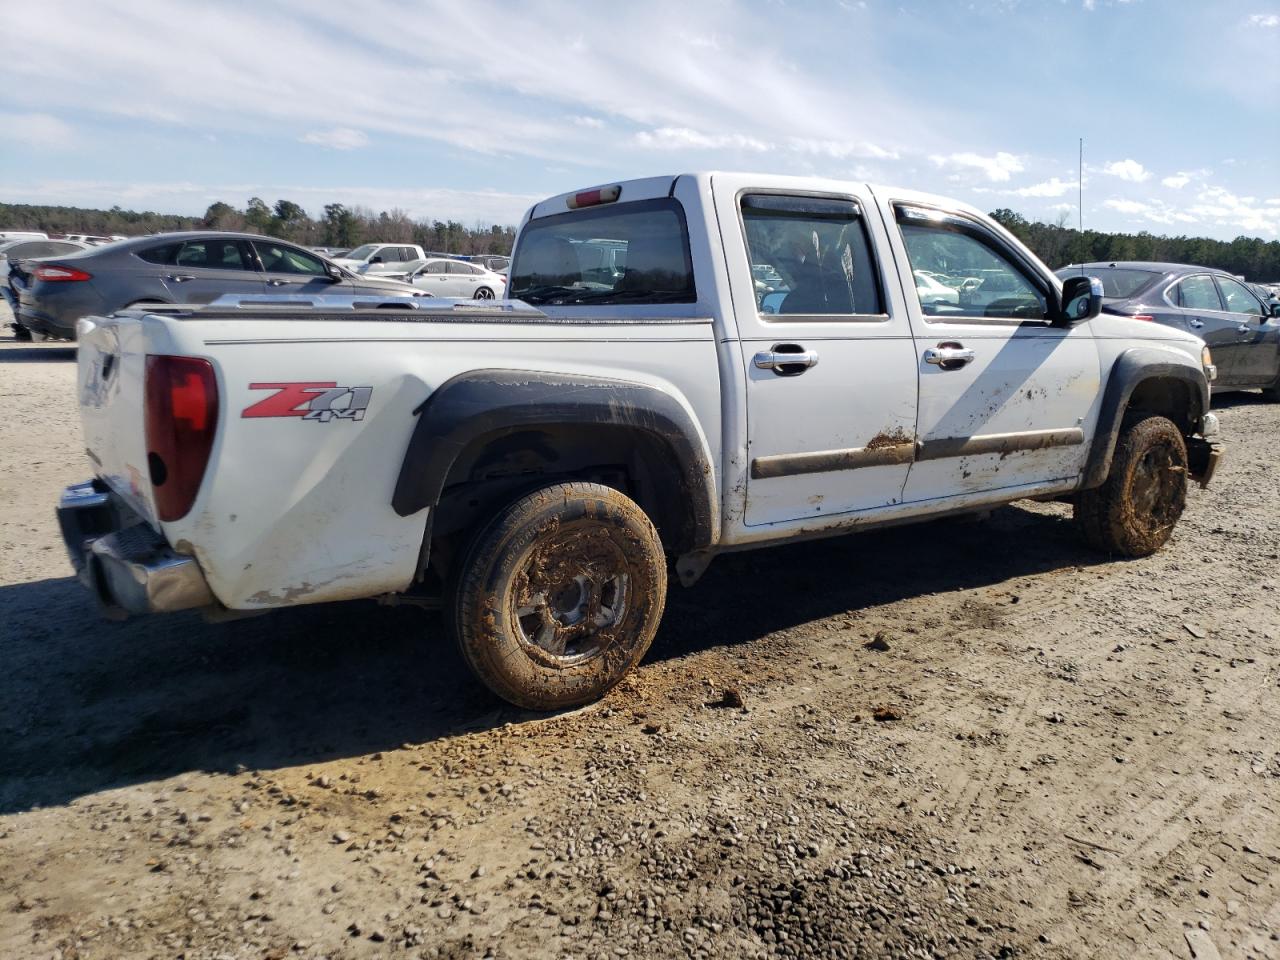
[[1058, 245], [340, 226]]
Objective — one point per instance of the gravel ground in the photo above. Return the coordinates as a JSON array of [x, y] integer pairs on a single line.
[[960, 739]]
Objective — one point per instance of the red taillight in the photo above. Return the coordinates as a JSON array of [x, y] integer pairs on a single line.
[[181, 418], [61, 274], [1142, 316], [591, 198]]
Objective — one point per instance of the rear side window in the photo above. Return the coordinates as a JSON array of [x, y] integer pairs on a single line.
[[622, 253], [810, 256], [1196, 293], [162, 255], [465, 269], [212, 254]]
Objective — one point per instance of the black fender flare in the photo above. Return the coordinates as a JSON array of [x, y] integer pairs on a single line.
[[1132, 368], [479, 403]]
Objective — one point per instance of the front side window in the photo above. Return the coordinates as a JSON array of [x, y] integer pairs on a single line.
[[213, 254], [1238, 298], [810, 256], [277, 258], [360, 253], [1197, 293], [960, 256], [634, 252]]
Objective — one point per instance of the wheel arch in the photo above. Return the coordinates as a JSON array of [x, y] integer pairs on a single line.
[[1152, 381], [510, 427]]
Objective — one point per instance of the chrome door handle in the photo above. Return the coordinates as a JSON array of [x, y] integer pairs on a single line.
[[180, 278], [948, 356], [1243, 328], [778, 360], [1196, 323], [278, 283]]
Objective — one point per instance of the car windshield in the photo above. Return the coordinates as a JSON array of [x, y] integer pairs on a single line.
[[359, 253], [636, 252], [1118, 283]]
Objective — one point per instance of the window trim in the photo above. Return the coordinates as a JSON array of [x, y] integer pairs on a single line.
[[879, 273], [1222, 306], [980, 231], [262, 267]]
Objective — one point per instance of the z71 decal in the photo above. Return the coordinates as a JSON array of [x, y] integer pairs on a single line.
[[311, 401]]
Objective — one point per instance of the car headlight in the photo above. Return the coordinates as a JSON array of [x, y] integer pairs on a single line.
[[1206, 361]]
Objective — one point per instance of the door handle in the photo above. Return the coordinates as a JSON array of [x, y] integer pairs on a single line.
[[278, 283], [1196, 323], [180, 278], [948, 356], [788, 362], [1243, 328]]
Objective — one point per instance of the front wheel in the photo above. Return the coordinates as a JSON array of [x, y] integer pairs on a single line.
[[21, 333], [1134, 512], [560, 595], [484, 293]]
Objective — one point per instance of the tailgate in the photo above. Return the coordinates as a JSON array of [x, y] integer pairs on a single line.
[[112, 363]]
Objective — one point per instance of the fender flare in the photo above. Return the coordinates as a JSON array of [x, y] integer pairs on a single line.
[[1133, 368], [480, 403]]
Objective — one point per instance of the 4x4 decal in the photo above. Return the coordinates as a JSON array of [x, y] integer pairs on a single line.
[[311, 400]]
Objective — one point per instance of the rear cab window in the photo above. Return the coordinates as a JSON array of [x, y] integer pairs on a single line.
[[1118, 283], [626, 253]]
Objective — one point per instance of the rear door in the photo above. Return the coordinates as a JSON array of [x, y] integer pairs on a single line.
[[1201, 303], [827, 351], [205, 269], [1006, 397], [1255, 362], [287, 269], [464, 279]]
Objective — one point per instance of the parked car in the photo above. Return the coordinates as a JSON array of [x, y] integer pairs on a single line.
[[194, 267], [380, 257], [6, 235], [529, 466], [447, 277], [932, 290], [1242, 331], [13, 269], [490, 261]]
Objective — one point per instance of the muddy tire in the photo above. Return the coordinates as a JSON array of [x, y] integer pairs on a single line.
[[21, 333], [559, 595], [1134, 512], [1272, 393]]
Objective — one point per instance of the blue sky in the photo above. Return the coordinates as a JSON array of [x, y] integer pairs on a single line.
[[472, 109]]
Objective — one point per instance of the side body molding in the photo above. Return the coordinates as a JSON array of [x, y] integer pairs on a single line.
[[1132, 368], [481, 403]]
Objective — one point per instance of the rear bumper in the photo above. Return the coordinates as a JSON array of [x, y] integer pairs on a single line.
[[126, 564]]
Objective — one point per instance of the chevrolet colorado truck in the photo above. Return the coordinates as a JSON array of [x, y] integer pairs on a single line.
[[689, 365]]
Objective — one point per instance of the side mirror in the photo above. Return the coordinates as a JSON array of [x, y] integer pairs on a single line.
[[1081, 300], [375, 259], [334, 272], [1275, 309]]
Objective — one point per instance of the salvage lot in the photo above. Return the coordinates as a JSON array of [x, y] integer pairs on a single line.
[[1040, 753]]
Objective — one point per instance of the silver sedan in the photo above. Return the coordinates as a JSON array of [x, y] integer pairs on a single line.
[[443, 277]]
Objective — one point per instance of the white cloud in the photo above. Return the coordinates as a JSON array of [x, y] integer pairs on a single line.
[[997, 169], [1176, 182], [36, 129], [1152, 212], [1224, 208], [1052, 187], [337, 138], [1266, 20], [592, 123], [841, 149], [682, 138], [1130, 170]]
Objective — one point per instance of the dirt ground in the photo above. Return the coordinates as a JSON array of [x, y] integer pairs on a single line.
[[954, 740]]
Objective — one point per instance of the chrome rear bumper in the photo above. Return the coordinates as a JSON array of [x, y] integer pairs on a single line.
[[123, 560]]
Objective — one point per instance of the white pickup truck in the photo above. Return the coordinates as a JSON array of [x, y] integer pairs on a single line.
[[694, 364]]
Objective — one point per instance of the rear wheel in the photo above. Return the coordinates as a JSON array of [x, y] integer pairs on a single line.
[[1272, 392], [1134, 512], [484, 293], [21, 333], [560, 595]]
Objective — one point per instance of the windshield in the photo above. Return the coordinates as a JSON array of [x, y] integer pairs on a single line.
[[359, 253], [1118, 283], [630, 253]]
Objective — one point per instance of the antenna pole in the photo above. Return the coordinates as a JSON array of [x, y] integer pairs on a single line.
[[1080, 198]]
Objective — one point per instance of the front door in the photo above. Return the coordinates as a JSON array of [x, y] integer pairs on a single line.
[[1198, 298], [827, 351], [287, 269], [1255, 358], [1006, 398]]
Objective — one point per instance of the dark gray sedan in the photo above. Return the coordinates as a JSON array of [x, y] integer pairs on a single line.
[[53, 293], [1242, 331]]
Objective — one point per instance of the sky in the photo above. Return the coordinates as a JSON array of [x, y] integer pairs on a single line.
[[472, 109]]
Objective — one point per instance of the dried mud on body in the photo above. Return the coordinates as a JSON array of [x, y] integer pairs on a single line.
[[1075, 757]]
